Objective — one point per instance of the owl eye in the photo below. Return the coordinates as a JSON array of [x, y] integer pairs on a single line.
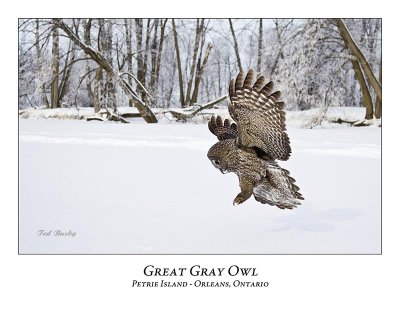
[[216, 162]]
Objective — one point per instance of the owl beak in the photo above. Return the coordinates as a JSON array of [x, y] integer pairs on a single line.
[[223, 171]]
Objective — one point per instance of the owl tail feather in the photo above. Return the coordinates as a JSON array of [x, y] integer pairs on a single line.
[[278, 188]]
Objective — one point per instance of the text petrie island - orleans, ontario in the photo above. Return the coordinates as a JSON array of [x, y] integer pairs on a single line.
[[199, 283]]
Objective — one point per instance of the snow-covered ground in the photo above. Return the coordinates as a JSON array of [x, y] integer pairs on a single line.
[[140, 188]]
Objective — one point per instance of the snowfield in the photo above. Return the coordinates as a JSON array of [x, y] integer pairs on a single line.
[[143, 189]]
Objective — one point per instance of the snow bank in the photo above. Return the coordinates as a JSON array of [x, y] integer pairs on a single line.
[[66, 113], [57, 113], [308, 117], [303, 119]]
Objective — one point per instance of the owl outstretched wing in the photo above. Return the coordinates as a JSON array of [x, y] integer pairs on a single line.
[[259, 115], [277, 188], [222, 129]]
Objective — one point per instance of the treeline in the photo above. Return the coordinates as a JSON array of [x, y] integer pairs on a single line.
[[179, 62]]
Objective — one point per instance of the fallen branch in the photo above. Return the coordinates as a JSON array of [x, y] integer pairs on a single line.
[[340, 121], [363, 123], [192, 111], [131, 115], [97, 118], [109, 116], [210, 104]]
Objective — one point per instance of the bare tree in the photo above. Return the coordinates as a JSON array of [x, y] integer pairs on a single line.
[[67, 69], [378, 101], [87, 26], [156, 74], [146, 49], [106, 49], [55, 68], [153, 53], [369, 114], [142, 47], [97, 89], [140, 53], [235, 44], [39, 60], [129, 53], [260, 46], [201, 64], [280, 29], [178, 61], [199, 30]]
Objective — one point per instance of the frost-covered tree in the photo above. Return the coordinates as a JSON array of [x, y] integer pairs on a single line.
[[177, 63]]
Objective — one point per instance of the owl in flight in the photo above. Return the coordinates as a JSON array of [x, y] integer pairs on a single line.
[[250, 146]]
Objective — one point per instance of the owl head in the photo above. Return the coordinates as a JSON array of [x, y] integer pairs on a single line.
[[222, 155]]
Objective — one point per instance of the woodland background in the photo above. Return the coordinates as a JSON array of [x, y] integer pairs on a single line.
[[179, 63]]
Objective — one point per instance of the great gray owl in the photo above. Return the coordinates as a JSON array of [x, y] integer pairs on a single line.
[[250, 146]]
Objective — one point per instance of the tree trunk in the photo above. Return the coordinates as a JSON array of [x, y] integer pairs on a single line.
[[280, 47], [155, 77], [153, 54], [139, 51], [87, 25], [146, 48], [129, 54], [70, 59], [199, 29], [172, 86], [235, 45], [199, 74], [97, 89], [355, 50], [55, 51], [364, 90], [378, 101], [275, 64], [42, 84], [260, 46], [178, 61], [219, 77], [109, 90], [105, 46]]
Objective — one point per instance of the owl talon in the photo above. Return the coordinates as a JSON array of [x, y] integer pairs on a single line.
[[237, 201]]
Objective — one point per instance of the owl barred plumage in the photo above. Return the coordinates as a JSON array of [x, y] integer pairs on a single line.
[[250, 146], [259, 116]]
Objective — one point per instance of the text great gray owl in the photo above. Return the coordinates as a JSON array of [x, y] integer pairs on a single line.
[[251, 146]]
